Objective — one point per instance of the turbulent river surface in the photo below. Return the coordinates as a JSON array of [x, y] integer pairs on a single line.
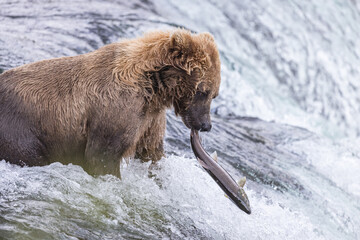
[[287, 118]]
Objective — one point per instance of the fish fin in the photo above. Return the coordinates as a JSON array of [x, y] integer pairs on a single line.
[[242, 182], [214, 156], [202, 163]]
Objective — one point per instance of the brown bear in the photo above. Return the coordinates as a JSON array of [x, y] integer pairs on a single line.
[[97, 108]]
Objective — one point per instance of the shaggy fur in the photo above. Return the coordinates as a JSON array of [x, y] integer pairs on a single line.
[[97, 108]]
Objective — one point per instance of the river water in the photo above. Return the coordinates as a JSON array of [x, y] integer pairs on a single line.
[[287, 118]]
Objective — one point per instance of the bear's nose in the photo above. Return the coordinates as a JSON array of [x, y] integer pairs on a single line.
[[205, 127]]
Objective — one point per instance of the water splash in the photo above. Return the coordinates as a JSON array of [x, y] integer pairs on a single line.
[[137, 206]]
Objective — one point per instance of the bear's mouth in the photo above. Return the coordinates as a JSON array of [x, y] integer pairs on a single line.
[[198, 124]]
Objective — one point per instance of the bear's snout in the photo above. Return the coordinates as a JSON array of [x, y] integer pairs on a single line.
[[205, 126], [201, 123]]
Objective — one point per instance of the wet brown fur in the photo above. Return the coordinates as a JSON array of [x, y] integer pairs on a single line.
[[97, 108]]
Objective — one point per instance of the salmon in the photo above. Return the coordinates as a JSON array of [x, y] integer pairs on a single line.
[[233, 190]]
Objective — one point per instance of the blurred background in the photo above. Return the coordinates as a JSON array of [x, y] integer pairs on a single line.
[[287, 118]]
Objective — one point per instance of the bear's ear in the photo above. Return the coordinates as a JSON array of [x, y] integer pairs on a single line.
[[187, 52], [182, 49], [180, 43]]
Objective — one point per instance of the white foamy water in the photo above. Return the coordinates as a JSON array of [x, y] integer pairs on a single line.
[[61, 197]]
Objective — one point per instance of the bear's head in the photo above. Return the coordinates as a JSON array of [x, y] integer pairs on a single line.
[[196, 61], [173, 68]]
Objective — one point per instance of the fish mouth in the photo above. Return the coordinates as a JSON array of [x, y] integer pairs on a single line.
[[235, 192], [244, 203]]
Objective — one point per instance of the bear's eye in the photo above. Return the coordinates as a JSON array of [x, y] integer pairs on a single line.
[[202, 94]]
